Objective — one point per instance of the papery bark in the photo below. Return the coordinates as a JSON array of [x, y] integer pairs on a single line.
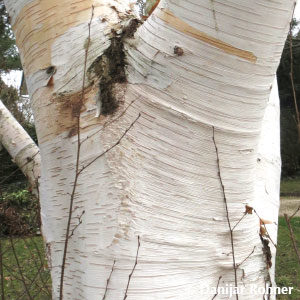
[[190, 67]]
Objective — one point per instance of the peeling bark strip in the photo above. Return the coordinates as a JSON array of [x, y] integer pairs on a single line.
[[182, 26]]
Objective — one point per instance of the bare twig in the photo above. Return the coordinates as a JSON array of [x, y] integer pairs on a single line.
[[293, 215], [79, 222], [109, 122], [217, 292], [36, 265], [108, 280], [227, 213], [136, 260], [292, 236], [238, 222], [111, 147], [19, 168], [238, 265], [32, 281], [263, 223], [19, 269], [77, 164]]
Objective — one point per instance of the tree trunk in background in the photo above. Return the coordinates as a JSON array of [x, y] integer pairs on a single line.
[[194, 70], [20, 146]]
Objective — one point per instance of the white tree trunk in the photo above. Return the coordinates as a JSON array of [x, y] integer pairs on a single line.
[[20, 146], [192, 69]]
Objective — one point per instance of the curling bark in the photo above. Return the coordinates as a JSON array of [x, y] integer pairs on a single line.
[[191, 67]]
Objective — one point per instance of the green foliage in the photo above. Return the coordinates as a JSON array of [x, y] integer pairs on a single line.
[[9, 56], [19, 213], [287, 266]]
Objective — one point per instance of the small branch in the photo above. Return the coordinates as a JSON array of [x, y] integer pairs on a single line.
[[79, 222], [293, 215], [245, 213], [19, 268], [111, 147], [292, 236], [227, 213], [109, 122], [61, 286], [217, 292], [29, 159], [238, 265], [108, 280], [40, 268], [263, 223], [136, 259]]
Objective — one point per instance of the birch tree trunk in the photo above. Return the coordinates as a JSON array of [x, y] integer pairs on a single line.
[[156, 214], [20, 146]]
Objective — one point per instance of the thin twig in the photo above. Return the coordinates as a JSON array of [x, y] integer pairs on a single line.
[[217, 292], [32, 281], [292, 236], [35, 263], [77, 165], [79, 222], [136, 260], [238, 222], [108, 280], [19, 268], [109, 122], [19, 168], [238, 265], [227, 213], [111, 147], [261, 220], [293, 215]]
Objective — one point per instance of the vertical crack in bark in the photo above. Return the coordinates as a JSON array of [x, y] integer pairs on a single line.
[[130, 275], [227, 214]]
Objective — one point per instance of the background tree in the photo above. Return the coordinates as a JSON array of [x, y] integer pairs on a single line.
[[290, 145]]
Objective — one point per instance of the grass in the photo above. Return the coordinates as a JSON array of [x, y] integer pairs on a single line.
[[31, 259], [287, 266], [28, 250], [290, 186]]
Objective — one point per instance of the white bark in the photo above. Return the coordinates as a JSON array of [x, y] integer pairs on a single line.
[[20, 146], [161, 182]]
